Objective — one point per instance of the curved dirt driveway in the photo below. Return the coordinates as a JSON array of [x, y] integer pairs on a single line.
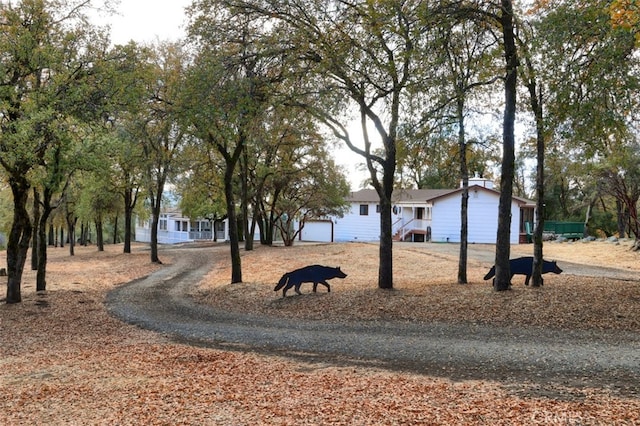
[[535, 360]]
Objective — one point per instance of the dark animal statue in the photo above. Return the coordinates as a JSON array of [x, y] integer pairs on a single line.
[[524, 266], [316, 274]]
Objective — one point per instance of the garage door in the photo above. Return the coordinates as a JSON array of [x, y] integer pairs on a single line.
[[316, 230]]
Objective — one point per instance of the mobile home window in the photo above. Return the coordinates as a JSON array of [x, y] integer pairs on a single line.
[[364, 209], [182, 226]]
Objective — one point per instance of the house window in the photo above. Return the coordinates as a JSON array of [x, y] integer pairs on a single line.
[[377, 208], [162, 224], [177, 225], [364, 209]]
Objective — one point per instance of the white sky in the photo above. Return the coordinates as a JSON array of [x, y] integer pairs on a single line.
[[148, 20]]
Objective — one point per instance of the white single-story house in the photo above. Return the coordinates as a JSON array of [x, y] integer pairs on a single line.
[[433, 215]]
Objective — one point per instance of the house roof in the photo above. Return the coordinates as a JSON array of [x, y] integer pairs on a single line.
[[521, 201], [363, 196], [422, 195], [399, 195], [172, 211]]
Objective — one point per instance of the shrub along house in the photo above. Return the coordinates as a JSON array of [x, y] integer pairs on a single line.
[[433, 215]]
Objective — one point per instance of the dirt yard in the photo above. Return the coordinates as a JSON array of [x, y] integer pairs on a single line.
[[425, 289], [64, 360]]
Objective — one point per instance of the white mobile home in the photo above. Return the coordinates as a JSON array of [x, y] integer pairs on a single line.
[[173, 228]]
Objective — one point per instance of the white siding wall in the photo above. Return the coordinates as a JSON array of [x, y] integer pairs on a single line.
[[483, 218], [173, 237], [445, 225], [143, 234], [169, 236], [354, 227]]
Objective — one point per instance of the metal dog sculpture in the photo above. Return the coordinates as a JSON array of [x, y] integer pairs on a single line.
[[316, 274], [524, 266]]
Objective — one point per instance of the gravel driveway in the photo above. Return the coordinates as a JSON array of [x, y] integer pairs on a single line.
[[535, 361]]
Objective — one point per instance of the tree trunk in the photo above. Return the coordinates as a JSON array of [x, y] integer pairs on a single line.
[[259, 215], [503, 240], [464, 203], [41, 275], [19, 238], [36, 220], [115, 230], [385, 270], [71, 232], [587, 216], [262, 227], [634, 225], [99, 234], [252, 229], [266, 229], [52, 237], [86, 234], [535, 98], [155, 220], [156, 204], [234, 241], [244, 177], [622, 220], [156, 207], [268, 220], [385, 191], [83, 232], [128, 214], [270, 228]]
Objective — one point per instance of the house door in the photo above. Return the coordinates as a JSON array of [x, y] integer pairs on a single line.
[[220, 230], [420, 213]]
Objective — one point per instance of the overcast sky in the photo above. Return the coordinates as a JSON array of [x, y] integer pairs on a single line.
[[147, 20]]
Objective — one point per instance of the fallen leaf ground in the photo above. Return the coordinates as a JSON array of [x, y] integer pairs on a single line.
[[64, 360], [424, 289]]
